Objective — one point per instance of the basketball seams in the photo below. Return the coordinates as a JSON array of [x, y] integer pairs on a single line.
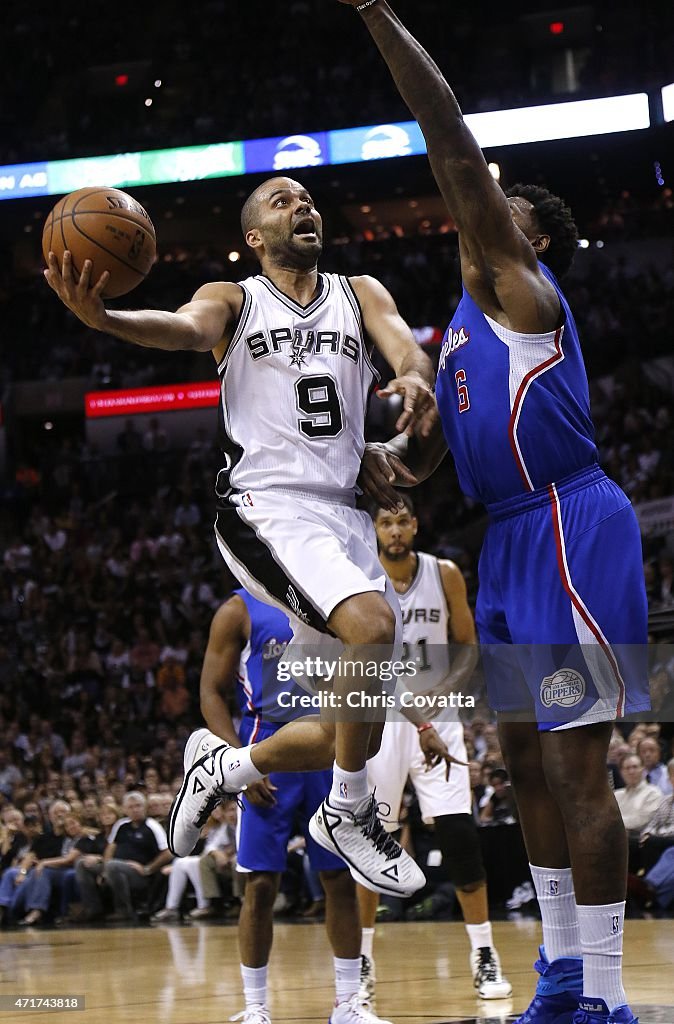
[[112, 213], [103, 248], [69, 211]]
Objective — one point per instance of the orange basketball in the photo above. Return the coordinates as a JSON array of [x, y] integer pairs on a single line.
[[109, 228]]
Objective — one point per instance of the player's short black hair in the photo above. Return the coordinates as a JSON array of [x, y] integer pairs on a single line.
[[406, 500], [555, 219]]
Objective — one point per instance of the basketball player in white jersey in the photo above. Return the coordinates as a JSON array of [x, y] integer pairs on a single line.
[[290, 345], [432, 595]]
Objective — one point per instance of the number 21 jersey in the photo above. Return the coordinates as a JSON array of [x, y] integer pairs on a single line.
[[294, 385]]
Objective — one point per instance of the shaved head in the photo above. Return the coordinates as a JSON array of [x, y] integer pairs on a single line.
[[281, 225], [251, 207]]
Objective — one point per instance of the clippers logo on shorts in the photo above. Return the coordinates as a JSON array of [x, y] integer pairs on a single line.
[[454, 340], [565, 688], [295, 606], [553, 887]]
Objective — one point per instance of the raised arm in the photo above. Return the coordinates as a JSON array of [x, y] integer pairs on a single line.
[[498, 261], [414, 375], [202, 325]]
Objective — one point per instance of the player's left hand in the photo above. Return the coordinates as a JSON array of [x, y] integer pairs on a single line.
[[380, 472], [435, 750], [418, 402], [261, 794]]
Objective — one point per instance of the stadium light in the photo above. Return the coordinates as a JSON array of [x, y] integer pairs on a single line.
[[668, 102]]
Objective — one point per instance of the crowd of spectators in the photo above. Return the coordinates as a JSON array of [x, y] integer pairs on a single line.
[[624, 306], [58, 103]]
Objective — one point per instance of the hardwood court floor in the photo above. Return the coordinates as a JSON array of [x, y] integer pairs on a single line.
[[190, 975]]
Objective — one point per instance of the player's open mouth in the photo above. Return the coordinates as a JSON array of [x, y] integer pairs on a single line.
[[305, 229]]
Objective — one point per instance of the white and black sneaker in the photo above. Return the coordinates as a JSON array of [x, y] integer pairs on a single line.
[[487, 976], [257, 1014], [202, 789], [353, 1012], [372, 855], [367, 992]]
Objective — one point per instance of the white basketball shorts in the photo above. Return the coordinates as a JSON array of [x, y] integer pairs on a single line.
[[400, 755], [303, 554]]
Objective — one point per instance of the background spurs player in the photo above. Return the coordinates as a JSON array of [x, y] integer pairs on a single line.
[[291, 350], [435, 611]]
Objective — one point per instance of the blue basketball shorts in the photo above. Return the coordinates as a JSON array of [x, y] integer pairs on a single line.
[[263, 832], [561, 610]]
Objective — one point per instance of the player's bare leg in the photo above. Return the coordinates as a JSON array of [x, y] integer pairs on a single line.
[[346, 822], [256, 934], [342, 922], [368, 902], [578, 850]]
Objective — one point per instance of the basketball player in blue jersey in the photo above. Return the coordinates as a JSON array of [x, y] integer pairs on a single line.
[[246, 640], [291, 347], [561, 611]]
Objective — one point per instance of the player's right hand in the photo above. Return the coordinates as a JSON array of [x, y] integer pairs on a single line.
[[81, 297], [261, 794], [380, 471]]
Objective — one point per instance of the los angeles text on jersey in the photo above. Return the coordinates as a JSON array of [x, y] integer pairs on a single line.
[[300, 345], [453, 340]]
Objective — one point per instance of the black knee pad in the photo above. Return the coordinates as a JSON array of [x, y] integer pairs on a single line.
[[460, 847]]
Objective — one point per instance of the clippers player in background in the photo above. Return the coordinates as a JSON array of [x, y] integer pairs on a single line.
[[561, 611], [246, 640], [291, 347], [435, 613]]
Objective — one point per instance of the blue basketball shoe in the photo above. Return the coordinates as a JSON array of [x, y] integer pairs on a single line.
[[595, 1011], [558, 992]]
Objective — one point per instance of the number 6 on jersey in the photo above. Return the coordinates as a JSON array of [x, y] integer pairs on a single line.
[[462, 389]]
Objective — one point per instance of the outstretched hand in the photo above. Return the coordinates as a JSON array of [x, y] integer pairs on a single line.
[[81, 297], [418, 403], [380, 471], [435, 750]]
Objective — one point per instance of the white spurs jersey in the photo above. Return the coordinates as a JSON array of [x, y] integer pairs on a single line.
[[294, 385], [425, 625]]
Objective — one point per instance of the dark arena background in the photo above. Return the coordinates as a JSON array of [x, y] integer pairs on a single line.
[[109, 572]]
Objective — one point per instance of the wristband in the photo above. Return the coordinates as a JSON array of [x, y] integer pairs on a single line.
[[424, 726], [365, 5]]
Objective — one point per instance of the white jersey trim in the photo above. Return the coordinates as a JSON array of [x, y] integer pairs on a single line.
[[514, 337], [294, 307], [244, 316]]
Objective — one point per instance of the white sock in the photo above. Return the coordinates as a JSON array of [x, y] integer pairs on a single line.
[[601, 938], [347, 978], [348, 788], [557, 900], [254, 985], [239, 768], [480, 935], [366, 942]]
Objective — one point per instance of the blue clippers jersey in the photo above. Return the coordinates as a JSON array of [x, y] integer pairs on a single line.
[[515, 409], [257, 686]]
